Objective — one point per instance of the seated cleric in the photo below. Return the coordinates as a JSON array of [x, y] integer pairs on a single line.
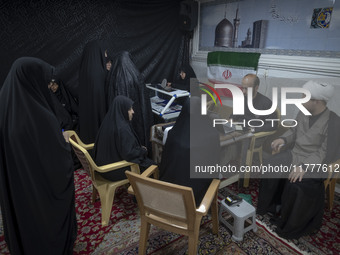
[[116, 140], [296, 198]]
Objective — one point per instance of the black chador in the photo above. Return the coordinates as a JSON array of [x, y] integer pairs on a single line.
[[91, 90], [65, 106], [192, 139], [184, 84], [116, 140], [36, 168], [125, 79]]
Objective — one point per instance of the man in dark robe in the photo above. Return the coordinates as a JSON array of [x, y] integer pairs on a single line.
[[192, 141], [260, 102], [36, 169], [65, 105], [125, 79], [296, 198], [92, 97], [116, 140]]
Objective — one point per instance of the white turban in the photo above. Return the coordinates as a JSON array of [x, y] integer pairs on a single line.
[[319, 90]]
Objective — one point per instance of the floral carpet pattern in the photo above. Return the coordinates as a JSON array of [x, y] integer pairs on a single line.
[[121, 236]]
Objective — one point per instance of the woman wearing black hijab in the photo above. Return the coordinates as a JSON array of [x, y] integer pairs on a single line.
[[36, 168], [65, 105], [182, 80], [92, 97], [125, 79], [116, 140], [192, 141]]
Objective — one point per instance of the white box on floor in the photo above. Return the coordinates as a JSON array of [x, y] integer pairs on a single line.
[[241, 214]]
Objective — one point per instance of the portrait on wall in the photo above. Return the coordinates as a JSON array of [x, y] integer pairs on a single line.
[[269, 26]]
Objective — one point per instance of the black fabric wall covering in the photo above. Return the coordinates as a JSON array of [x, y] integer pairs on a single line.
[[57, 31]]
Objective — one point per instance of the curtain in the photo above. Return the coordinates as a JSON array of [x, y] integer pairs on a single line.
[[57, 31]]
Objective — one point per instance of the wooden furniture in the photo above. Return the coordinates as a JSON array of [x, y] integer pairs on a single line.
[[171, 207], [330, 182], [256, 147], [105, 188]]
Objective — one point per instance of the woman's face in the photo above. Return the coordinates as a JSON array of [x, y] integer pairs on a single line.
[[108, 65], [182, 74], [53, 86], [130, 112]]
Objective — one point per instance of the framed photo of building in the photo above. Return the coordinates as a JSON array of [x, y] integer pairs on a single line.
[[290, 27]]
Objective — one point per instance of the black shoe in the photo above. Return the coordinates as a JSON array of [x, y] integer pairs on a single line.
[[271, 215], [275, 220], [260, 212]]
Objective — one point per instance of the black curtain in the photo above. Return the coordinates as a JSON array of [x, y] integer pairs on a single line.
[[57, 31]]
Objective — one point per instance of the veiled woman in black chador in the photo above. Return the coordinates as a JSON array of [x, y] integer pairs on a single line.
[[116, 140], [92, 96], [65, 105], [125, 79], [36, 168], [182, 79], [192, 141]]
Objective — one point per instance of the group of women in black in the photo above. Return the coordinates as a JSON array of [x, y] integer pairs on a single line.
[[37, 192]]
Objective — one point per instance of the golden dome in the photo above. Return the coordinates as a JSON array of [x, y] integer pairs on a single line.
[[224, 33]]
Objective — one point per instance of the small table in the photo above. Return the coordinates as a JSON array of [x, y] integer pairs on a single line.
[[163, 108], [241, 214]]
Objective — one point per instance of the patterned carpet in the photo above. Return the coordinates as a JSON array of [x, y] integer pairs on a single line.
[[122, 234]]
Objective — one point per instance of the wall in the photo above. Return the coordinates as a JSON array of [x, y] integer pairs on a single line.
[[287, 76], [277, 70]]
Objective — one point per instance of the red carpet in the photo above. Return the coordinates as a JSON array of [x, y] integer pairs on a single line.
[[122, 234]]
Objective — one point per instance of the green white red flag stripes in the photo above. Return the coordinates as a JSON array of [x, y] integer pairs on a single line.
[[230, 66]]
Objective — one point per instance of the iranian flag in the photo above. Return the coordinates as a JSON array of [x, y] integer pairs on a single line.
[[230, 67]]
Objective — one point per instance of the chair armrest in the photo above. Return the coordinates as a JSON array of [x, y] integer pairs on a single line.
[[331, 173], [68, 133], [258, 136], [87, 146], [263, 134], [153, 169], [135, 168], [208, 197], [114, 166]]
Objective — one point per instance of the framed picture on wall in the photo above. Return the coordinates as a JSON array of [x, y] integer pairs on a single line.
[[290, 27]]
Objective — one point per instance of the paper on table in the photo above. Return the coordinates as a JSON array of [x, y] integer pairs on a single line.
[[178, 91]]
